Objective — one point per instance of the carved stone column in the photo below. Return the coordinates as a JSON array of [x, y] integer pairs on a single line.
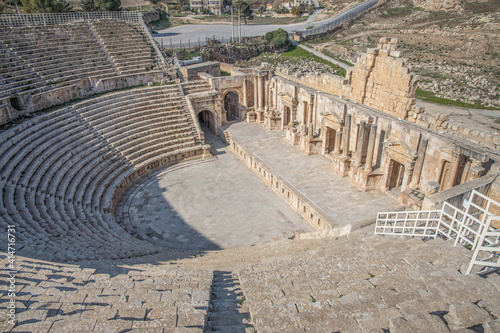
[[255, 97], [309, 113], [407, 175], [359, 146], [419, 163], [338, 138], [452, 175], [347, 133], [371, 147], [260, 92], [310, 133], [245, 92], [266, 94]]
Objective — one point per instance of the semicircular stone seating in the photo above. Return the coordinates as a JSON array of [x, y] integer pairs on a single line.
[[59, 170]]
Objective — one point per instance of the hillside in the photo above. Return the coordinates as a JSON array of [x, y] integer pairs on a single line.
[[454, 45]]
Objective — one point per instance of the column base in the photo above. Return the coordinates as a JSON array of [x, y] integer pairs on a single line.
[[340, 165]]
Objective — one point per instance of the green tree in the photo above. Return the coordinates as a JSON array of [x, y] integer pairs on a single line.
[[181, 5], [245, 11], [45, 6], [88, 5], [277, 38], [262, 9], [108, 5], [295, 11]]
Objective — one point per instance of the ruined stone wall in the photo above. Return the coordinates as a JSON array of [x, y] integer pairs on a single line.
[[381, 79], [430, 161], [329, 83]]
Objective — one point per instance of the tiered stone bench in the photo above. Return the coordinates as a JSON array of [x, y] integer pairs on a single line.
[[195, 86], [70, 298], [60, 54], [60, 172], [16, 76], [127, 47]]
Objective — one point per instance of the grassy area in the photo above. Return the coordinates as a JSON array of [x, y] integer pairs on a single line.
[[297, 52], [429, 96], [328, 53], [400, 12], [224, 73]]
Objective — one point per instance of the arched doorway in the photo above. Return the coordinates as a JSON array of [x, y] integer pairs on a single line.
[[207, 119], [232, 105]]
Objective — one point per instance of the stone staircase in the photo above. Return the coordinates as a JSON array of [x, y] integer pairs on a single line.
[[227, 311]]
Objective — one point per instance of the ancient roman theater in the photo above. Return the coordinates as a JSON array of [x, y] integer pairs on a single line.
[[137, 199]]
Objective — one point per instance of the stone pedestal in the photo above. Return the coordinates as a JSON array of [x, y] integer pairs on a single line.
[[340, 165]]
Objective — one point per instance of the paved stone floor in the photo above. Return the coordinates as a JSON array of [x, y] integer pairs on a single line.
[[209, 205], [335, 195]]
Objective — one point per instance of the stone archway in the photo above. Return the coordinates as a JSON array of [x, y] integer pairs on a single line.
[[207, 118], [232, 105]]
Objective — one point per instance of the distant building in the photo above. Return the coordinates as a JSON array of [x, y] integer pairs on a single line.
[[287, 5], [214, 6], [305, 2]]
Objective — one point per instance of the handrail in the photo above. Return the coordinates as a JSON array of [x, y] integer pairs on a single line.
[[470, 226], [17, 20]]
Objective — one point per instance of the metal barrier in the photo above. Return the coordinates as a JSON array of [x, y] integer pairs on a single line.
[[18, 20], [470, 227], [14, 20], [346, 15], [489, 242], [408, 223]]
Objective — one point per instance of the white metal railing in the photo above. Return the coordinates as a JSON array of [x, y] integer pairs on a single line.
[[487, 252], [470, 226], [14, 20], [408, 223]]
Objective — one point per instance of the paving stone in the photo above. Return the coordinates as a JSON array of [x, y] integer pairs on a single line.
[[492, 326], [465, 315], [73, 325], [416, 322]]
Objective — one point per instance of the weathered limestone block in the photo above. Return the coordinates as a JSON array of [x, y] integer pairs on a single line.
[[465, 315], [416, 322], [492, 326], [432, 187]]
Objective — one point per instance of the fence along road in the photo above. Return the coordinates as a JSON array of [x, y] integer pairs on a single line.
[[194, 34]]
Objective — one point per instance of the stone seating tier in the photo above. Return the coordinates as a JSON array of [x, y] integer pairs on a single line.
[[61, 55], [129, 50], [195, 86], [59, 172], [72, 297]]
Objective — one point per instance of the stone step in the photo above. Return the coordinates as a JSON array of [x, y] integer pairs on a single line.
[[243, 328]]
